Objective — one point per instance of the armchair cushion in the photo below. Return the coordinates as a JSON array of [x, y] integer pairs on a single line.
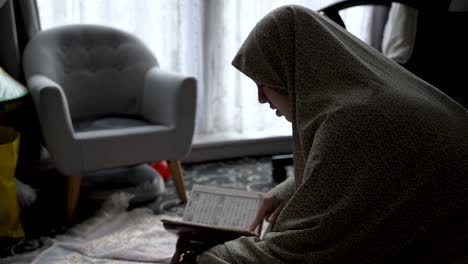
[[113, 122]]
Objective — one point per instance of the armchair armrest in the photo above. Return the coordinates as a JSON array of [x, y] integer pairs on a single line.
[[169, 99], [54, 117]]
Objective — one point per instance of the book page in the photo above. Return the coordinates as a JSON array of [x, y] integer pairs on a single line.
[[216, 206]]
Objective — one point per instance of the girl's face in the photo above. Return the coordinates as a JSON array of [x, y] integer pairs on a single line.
[[277, 101]]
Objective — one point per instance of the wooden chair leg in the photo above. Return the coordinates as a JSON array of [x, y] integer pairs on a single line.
[[73, 192], [176, 171]]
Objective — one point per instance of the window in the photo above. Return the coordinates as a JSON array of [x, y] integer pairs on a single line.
[[197, 37]]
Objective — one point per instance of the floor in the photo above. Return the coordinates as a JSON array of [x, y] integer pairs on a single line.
[[44, 218]]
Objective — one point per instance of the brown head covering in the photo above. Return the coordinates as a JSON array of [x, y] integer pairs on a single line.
[[380, 156], [320, 65]]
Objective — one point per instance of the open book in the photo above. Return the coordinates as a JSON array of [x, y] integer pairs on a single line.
[[216, 213]]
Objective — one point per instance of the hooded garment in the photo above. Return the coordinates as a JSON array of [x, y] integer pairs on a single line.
[[380, 156]]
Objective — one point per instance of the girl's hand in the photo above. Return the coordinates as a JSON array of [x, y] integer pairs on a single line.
[[269, 210]]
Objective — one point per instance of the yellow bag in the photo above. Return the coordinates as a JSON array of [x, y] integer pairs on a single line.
[[10, 225]]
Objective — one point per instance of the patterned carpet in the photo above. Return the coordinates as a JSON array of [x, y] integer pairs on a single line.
[[247, 174], [252, 174]]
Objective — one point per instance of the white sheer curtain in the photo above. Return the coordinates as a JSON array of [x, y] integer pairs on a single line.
[[200, 38]]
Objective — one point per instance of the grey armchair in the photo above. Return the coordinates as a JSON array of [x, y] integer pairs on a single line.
[[104, 103]]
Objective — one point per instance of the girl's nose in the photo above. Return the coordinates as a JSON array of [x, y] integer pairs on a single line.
[[261, 94]]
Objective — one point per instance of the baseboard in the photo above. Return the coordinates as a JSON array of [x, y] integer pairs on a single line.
[[210, 150]]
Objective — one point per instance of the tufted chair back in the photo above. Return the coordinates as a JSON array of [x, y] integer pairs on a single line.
[[100, 69]]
